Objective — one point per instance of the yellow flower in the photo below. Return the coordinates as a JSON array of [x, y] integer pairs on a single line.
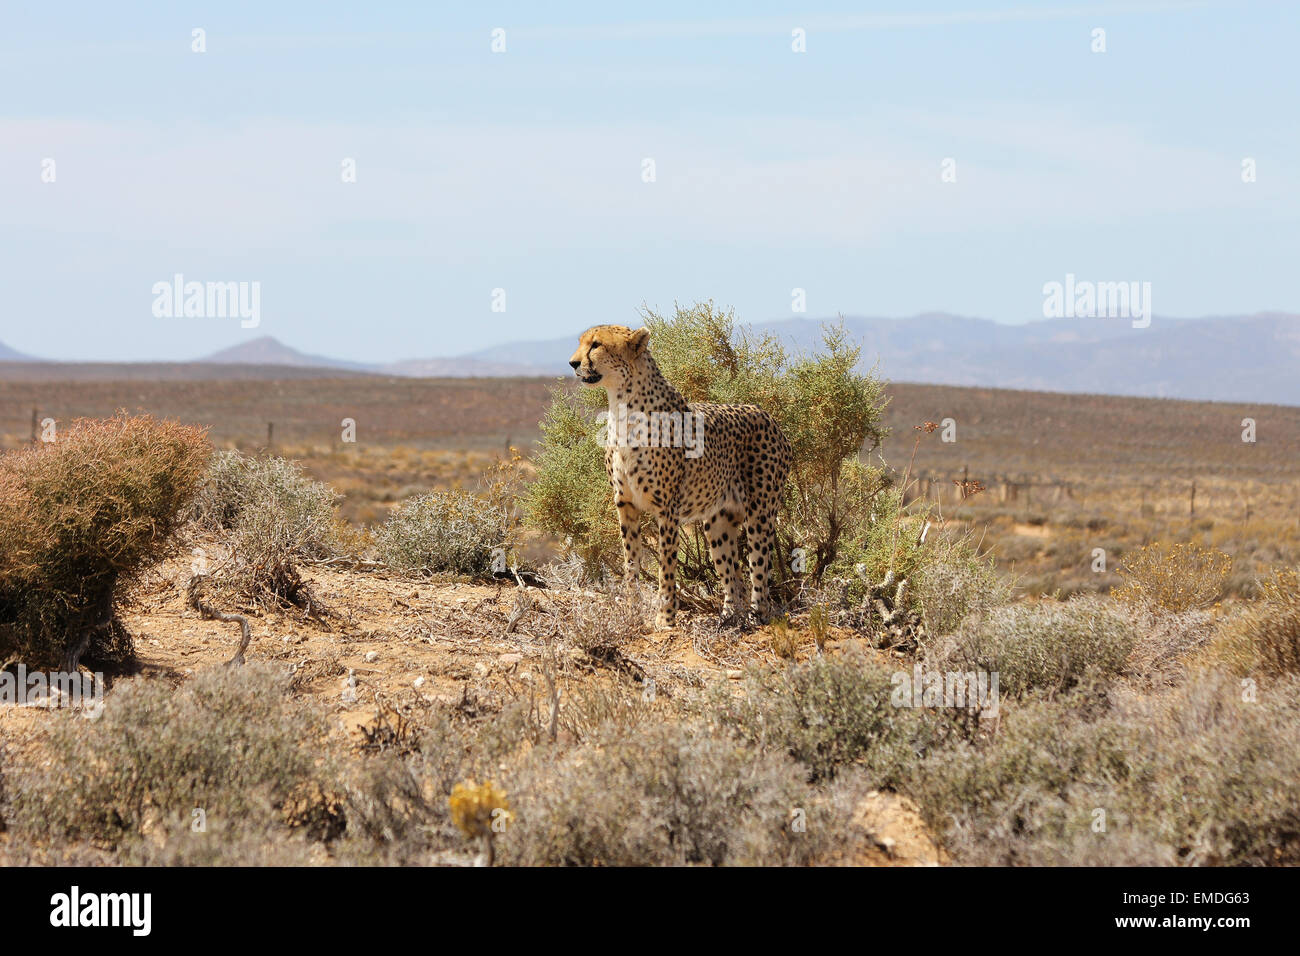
[[474, 808]]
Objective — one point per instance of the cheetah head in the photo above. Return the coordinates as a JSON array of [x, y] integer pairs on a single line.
[[607, 353]]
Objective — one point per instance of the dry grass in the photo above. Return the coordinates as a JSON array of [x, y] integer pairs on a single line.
[[1178, 577]]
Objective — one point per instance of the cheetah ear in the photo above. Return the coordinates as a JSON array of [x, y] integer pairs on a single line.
[[638, 340]]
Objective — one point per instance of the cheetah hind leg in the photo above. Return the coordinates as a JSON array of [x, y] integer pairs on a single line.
[[760, 533], [723, 533]]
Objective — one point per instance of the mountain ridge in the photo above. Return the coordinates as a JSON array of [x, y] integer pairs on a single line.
[[1217, 358]]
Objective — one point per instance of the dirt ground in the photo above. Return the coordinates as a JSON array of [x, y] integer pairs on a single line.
[[394, 645]]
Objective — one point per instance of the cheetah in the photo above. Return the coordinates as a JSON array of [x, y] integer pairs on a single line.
[[722, 466]]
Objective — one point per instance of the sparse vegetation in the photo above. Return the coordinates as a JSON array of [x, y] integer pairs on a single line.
[[1163, 714], [1198, 777], [668, 796], [229, 743], [1265, 639]]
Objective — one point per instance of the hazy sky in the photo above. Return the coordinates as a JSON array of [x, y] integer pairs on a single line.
[[523, 170]]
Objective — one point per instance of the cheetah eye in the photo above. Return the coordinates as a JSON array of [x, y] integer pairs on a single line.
[[594, 346]]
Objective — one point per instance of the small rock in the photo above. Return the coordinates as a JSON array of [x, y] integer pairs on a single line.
[[481, 669], [893, 825], [372, 656], [418, 683], [735, 674], [509, 660]]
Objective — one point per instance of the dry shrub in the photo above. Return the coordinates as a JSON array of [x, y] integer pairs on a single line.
[[1266, 638], [954, 582], [828, 713], [81, 516], [229, 742], [1043, 647], [225, 843], [397, 806], [600, 624], [447, 532], [784, 639], [269, 516], [1197, 776], [668, 795], [1165, 643], [1175, 577]]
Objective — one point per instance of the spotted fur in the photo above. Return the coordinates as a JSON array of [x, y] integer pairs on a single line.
[[734, 486]]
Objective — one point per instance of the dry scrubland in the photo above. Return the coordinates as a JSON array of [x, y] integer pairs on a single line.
[[400, 696], [1126, 464]]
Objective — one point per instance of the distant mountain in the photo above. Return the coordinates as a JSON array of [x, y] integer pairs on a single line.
[[540, 356], [12, 355], [465, 366], [1238, 358], [1253, 358], [1229, 358], [270, 351], [267, 350]]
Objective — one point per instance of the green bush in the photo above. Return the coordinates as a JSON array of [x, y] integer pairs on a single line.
[[880, 541], [81, 516], [450, 532], [827, 410], [571, 498]]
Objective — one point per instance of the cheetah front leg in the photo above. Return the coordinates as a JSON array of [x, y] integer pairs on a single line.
[[629, 529], [667, 616]]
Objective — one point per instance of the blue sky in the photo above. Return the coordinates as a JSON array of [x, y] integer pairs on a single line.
[[522, 170]]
